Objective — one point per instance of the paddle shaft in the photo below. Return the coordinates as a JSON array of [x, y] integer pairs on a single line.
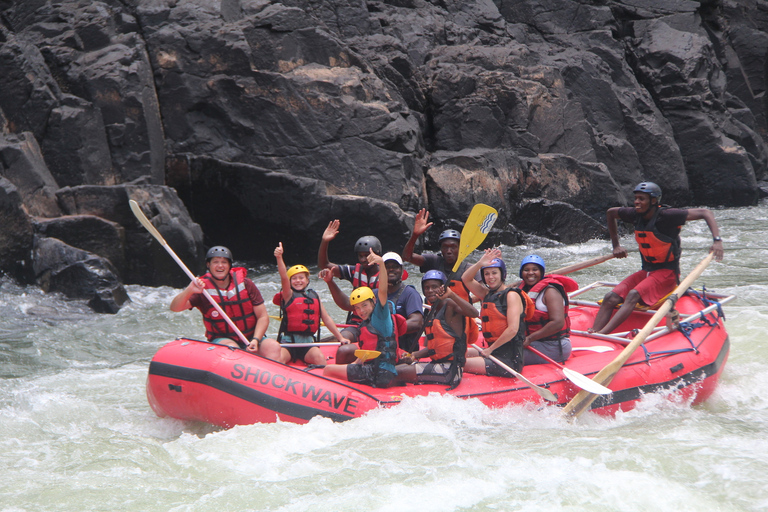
[[584, 399], [545, 357], [542, 392], [584, 264], [155, 233]]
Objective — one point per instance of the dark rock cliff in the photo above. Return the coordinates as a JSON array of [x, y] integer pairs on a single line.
[[268, 119]]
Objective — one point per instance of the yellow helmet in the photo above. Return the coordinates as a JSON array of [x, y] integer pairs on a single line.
[[296, 269], [361, 294]]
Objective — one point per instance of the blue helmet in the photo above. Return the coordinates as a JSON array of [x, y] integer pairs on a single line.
[[532, 258], [495, 263], [449, 234], [433, 274], [650, 188]]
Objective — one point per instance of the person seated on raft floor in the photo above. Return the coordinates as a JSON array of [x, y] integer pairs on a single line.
[[237, 296], [502, 316], [444, 261], [549, 329], [360, 274], [444, 331], [657, 232], [377, 332], [301, 311]]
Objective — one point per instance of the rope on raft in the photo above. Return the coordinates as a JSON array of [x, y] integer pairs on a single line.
[[686, 328]]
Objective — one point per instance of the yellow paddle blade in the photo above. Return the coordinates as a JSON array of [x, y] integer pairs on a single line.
[[365, 355], [477, 227]]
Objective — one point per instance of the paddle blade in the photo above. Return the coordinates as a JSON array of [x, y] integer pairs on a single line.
[[586, 383], [477, 227], [365, 355]]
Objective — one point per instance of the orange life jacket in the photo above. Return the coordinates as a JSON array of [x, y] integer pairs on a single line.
[[540, 318], [236, 303], [371, 339], [494, 322], [446, 344], [657, 250]]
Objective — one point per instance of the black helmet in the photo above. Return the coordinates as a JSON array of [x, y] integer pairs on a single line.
[[650, 188], [218, 250], [368, 242], [449, 234]]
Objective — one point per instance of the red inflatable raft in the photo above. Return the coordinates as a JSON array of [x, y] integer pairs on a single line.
[[196, 380]]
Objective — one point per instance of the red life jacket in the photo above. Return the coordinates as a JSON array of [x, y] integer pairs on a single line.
[[371, 339], [236, 303], [360, 278], [540, 318], [446, 344], [301, 314], [657, 250]]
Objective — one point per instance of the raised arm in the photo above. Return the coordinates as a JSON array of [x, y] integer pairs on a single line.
[[420, 226], [709, 217], [383, 291], [322, 252], [468, 278], [286, 291]]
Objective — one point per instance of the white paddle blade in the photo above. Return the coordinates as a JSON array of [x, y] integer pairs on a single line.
[[596, 348], [586, 383]]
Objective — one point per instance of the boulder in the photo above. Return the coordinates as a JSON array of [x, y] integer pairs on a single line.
[[146, 262], [558, 221], [16, 233], [22, 163], [77, 274], [89, 233]]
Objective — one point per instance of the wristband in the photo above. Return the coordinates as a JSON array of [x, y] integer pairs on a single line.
[[717, 239]]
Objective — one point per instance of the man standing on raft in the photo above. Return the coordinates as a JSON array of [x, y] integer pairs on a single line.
[[657, 231]]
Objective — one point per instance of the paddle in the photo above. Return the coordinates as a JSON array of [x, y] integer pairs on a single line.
[[584, 399], [365, 355], [155, 233], [584, 264], [477, 227], [542, 392], [580, 380]]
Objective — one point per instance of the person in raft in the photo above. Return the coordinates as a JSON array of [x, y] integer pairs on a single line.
[[657, 231], [377, 332], [237, 296], [407, 301], [444, 261], [301, 311], [444, 331], [502, 316], [549, 329]]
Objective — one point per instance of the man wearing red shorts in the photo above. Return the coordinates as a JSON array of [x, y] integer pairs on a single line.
[[657, 231]]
